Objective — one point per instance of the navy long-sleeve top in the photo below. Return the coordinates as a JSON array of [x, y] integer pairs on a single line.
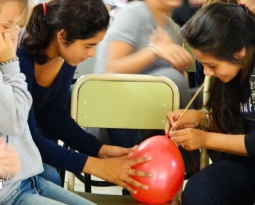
[[50, 115]]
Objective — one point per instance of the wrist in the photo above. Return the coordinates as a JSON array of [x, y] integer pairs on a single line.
[[8, 61], [103, 152], [89, 167], [207, 120], [154, 48]]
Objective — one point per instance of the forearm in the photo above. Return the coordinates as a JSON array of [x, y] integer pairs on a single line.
[[233, 144], [94, 166], [15, 99]]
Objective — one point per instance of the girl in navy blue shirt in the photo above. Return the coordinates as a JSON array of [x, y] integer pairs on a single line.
[[222, 38]]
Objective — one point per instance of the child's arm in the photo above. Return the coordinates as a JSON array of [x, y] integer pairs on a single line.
[[15, 100], [9, 159]]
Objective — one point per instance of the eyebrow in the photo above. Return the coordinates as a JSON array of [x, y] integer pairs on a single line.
[[91, 44]]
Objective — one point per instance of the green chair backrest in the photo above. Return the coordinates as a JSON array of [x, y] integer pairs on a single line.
[[123, 101], [191, 68]]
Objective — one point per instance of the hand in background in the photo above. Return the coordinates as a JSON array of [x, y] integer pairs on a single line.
[[168, 50]]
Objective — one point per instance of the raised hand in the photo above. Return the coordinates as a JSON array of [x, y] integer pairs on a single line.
[[168, 50], [8, 44]]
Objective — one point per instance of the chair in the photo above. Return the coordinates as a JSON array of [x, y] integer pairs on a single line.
[[121, 101], [204, 159]]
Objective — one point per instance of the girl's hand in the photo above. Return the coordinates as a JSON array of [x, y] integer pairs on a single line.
[[191, 118], [8, 44], [9, 159], [108, 151], [115, 166], [118, 171], [189, 138]]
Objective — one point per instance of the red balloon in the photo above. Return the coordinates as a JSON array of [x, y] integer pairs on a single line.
[[168, 168]]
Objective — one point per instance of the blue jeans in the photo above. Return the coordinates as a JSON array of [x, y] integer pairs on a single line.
[[228, 181], [125, 137], [50, 174], [38, 191]]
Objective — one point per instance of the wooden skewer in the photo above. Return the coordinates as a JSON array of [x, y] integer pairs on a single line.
[[192, 99]]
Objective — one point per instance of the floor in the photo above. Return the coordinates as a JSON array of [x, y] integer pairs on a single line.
[[79, 186]]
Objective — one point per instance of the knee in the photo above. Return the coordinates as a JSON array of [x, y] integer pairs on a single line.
[[199, 190]]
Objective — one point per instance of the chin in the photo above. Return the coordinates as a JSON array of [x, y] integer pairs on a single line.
[[224, 80], [73, 63]]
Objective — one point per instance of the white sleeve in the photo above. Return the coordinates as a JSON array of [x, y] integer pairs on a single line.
[[15, 100]]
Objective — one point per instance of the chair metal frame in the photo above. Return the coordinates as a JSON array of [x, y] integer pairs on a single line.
[[170, 101], [204, 158]]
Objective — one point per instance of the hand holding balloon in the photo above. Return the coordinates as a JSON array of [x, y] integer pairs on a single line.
[[168, 168]]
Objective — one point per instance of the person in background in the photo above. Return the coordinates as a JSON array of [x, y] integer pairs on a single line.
[[222, 38], [59, 35], [20, 160]]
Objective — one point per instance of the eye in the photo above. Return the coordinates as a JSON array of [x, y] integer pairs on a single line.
[[87, 47], [212, 66]]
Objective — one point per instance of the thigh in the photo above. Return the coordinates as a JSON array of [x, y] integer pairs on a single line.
[[229, 181], [50, 190], [31, 198], [50, 174], [26, 194]]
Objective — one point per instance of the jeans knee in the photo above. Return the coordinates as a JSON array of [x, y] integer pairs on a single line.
[[200, 191]]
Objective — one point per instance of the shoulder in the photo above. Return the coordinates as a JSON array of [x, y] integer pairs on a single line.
[[26, 61]]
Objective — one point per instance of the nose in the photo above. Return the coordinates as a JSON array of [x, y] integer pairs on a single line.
[[208, 71], [91, 51]]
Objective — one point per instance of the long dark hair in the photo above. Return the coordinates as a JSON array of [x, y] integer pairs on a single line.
[[81, 19], [222, 30]]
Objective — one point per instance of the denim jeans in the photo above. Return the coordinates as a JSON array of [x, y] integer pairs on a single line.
[[38, 191], [228, 181], [50, 174], [125, 137]]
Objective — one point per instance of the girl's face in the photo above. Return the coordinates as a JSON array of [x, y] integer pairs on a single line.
[[10, 14], [223, 70], [80, 50]]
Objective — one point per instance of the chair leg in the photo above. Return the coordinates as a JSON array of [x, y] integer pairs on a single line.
[[62, 174], [70, 182], [88, 183]]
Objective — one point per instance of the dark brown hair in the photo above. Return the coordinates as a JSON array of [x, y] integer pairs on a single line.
[[222, 30], [81, 19]]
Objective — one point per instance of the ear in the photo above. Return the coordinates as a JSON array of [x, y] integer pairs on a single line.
[[61, 36], [241, 54]]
